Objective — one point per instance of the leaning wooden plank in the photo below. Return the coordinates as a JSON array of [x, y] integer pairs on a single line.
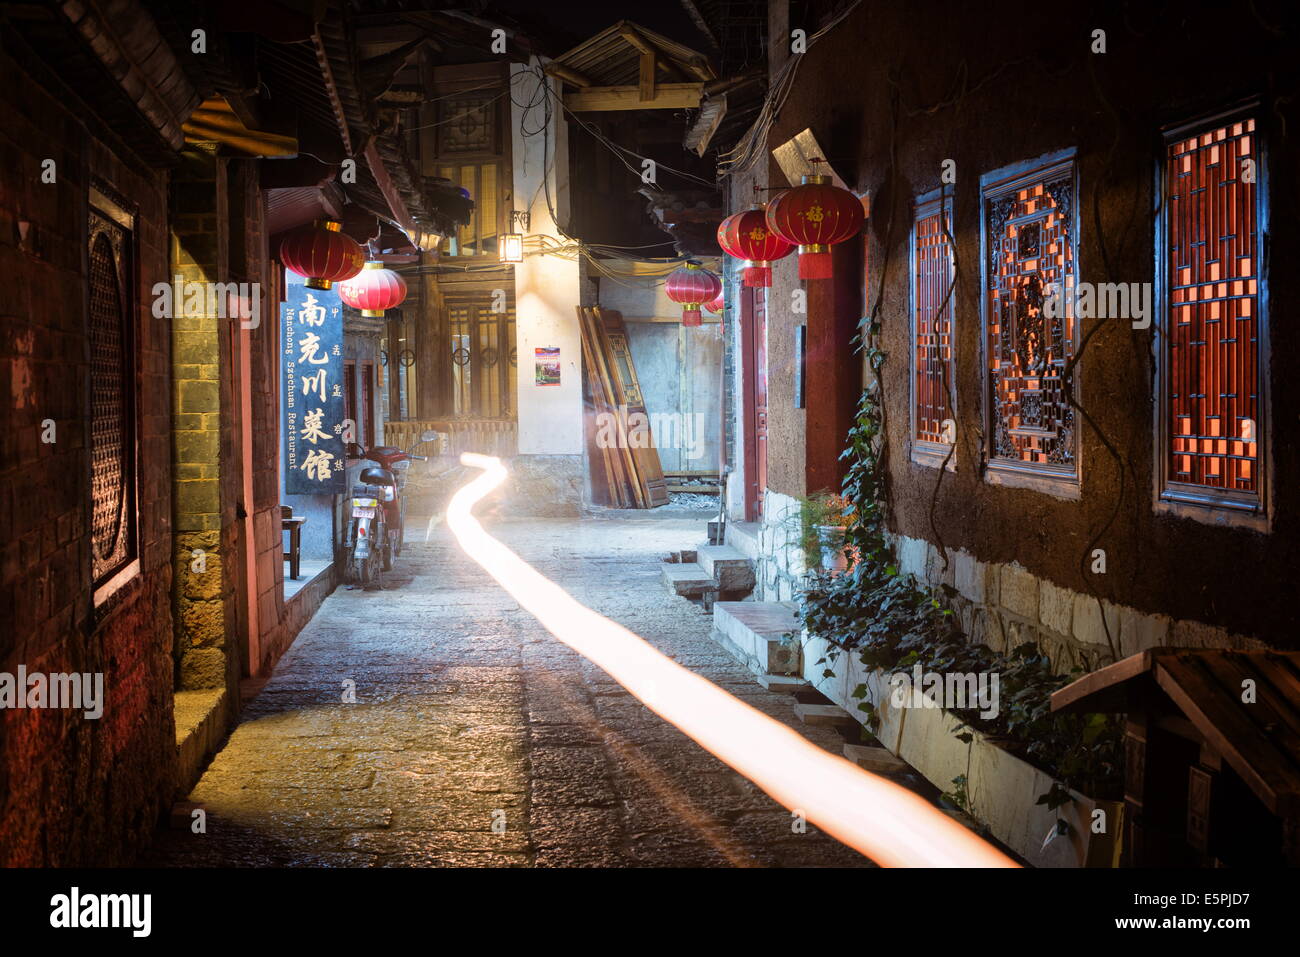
[[614, 483], [622, 483], [649, 469]]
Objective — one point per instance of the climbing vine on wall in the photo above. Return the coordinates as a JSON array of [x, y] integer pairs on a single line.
[[893, 622]]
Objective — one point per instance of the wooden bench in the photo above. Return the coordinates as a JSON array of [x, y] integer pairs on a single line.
[[294, 527]]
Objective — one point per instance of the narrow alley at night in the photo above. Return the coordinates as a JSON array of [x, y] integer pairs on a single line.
[[468, 714], [447, 440]]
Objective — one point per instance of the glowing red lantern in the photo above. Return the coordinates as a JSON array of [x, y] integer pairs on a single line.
[[321, 253], [373, 290], [747, 236], [693, 287], [814, 216]]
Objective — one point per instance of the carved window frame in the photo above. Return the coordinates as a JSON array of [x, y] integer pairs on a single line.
[[996, 188]]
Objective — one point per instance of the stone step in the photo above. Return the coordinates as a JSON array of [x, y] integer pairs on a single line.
[[687, 579], [781, 684], [875, 759], [754, 633], [823, 715], [734, 572]]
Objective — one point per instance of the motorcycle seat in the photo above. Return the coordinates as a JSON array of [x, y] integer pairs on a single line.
[[378, 476]]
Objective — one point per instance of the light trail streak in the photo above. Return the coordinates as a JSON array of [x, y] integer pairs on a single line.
[[887, 823]]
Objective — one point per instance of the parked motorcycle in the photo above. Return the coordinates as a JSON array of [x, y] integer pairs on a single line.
[[377, 528]]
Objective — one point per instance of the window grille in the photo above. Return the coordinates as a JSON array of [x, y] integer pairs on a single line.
[[1030, 249], [1210, 434], [933, 366], [112, 379], [483, 360]]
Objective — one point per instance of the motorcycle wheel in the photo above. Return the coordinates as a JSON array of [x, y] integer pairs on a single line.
[[364, 574], [388, 556]]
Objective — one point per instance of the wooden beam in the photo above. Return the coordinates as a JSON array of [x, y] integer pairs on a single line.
[[647, 77], [668, 96], [569, 76], [630, 34], [396, 204], [646, 48]]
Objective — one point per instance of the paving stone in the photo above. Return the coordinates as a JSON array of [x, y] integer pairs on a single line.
[[470, 717]]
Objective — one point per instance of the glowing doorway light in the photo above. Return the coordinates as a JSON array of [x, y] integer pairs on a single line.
[[887, 823]]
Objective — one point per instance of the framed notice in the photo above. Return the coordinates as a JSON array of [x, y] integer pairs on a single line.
[[311, 323]]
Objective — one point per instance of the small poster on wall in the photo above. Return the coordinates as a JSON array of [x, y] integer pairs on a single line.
[[548, 365]]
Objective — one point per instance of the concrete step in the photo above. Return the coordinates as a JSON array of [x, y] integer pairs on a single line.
[[744, 537], [875, 759], [734, 572], [687, 579], [754, 633], [781, 684], [823, 715]]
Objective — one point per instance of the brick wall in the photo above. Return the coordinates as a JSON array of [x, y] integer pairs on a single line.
[[75, 790], [204, 440]]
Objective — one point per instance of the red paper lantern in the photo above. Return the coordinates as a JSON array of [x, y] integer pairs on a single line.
[[717, 304], [321, 253], [814, 216], [693, 287], [373, 290], [747, 236]]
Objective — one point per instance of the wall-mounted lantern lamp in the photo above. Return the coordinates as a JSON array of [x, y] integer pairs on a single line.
[[512, 243]]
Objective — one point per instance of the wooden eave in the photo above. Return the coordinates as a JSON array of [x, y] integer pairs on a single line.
[[1259, 739], [627, 67]]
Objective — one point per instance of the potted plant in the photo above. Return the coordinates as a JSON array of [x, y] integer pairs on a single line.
[[823, 520]]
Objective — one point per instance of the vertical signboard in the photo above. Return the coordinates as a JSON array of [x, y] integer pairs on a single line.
[[311, 323]]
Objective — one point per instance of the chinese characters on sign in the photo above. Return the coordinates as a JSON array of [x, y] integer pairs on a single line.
[[311, 324]]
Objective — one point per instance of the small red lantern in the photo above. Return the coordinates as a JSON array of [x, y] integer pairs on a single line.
[[321, 253], [814, 216], [373, 290], [716, 305], [693, 287], [747, 236]]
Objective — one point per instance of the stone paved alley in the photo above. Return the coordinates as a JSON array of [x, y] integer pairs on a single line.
[[467, 712]]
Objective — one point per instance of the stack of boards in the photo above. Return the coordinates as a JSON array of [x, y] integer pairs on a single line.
[[625, 477]]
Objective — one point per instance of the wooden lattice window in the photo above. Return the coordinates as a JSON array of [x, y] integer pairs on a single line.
[[483, 357], [934, 381], [479, 236], [111, 320], [467, 123], [1029, 251], [1211, 351]]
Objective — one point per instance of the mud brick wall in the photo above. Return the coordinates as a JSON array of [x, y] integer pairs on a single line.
[[74, 790], [1033, 87]]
